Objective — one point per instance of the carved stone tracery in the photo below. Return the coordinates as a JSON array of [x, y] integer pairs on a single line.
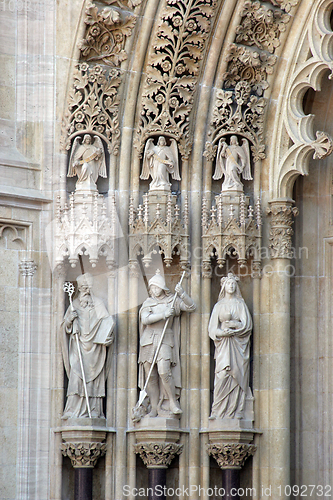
[[157, 226], [158, 455], [230, 233], [173, 69], [231, 456]]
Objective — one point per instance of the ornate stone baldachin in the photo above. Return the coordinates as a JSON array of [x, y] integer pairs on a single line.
[[83, 455], [106, 33], [173, 69], [93, 106], [27, 267], [239, 112], [260, 26], [231, 456], [281, 232], [158, 455]]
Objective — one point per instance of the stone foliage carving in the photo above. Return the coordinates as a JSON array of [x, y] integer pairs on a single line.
[[27, 267], [83, 455], [156, 226], [281, 231], [231, 456], [173, 70], [93, 102], [250, 66], [240, 105], [284, 4], [227, 233], [158, 455], [93, 105], [260, 26], [230, 328], [106, 33], [239, 112]]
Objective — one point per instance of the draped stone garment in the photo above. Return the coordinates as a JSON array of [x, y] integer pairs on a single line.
[[232, 357], [89, 322]]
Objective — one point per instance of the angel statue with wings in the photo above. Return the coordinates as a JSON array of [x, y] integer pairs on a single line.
[[87, 161], [232, 161], [160, 161]]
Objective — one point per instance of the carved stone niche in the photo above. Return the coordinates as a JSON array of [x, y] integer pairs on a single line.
[[157, 226], [84, 227], [233, 227], [157, 441]]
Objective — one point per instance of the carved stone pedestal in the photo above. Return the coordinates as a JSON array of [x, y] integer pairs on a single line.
[[157, 443], [230, 445], [84, 441]]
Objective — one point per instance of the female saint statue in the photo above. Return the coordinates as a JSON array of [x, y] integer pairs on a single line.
[[230, 328]]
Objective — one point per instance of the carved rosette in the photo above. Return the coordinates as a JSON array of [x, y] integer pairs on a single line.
[[27, 267], [231, 456], [173, 69], [281, 231], [83, 455], [158, 455]]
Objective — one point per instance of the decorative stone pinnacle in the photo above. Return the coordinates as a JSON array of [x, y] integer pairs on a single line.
[[158, 455], [231, 456]]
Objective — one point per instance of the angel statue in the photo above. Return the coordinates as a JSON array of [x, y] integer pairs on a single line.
[[232, 161], [87, 161], [160, 161]]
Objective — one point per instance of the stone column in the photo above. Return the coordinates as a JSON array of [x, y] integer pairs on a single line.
[[157, 443], [231, 457], [280, 244], [83, 444], [157, 457]]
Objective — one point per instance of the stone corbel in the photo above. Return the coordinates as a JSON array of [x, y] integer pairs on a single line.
[[280, 236], [231, 455], [83, 455]]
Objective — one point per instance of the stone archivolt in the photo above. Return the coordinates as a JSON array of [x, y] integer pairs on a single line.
[[158, 455], [173, 69], [231, 456]]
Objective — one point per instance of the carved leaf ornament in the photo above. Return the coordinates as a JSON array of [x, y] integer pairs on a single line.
[[93, 105], [173, 71]]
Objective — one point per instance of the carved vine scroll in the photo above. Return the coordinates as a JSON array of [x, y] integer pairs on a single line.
[[93, 102], [173, 69]]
